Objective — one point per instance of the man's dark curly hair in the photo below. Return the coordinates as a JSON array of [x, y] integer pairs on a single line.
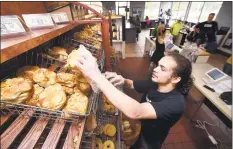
[[183, 70]]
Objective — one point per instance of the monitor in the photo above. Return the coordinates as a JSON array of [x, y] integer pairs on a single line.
[[215, 74], [170, 45]]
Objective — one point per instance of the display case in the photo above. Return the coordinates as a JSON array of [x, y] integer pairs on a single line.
[[26, 126]]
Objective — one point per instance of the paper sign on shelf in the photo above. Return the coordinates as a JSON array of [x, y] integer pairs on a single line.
[[11, 25], [60, 17], [38, 20]]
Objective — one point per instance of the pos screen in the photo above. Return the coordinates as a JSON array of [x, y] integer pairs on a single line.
[[215, 74]]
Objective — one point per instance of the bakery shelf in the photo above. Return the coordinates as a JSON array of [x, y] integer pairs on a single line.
[[12, 47]]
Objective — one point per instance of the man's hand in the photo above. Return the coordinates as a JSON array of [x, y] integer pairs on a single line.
[[115, 79], [87, 63]]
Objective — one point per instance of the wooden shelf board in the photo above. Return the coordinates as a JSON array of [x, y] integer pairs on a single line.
[[15, 46]]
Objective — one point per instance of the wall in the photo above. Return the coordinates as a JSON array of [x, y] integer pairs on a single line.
[[18, 8], [224, 16], [165, 6], [137, 4]]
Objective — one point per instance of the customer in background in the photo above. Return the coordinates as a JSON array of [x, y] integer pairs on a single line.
[[207, 33], [161, 15], [162, 103], [175, 28], [160, 46], [147, 21], [228, 66], [168, 16], [137, 24]]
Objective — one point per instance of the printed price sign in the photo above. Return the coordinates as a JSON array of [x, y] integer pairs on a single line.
[[11, 25], [60, 17], [38, 20]]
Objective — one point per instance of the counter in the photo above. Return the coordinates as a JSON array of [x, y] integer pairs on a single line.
[[130, 32]]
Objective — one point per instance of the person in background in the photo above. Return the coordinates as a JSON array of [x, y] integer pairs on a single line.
[[160, 15], [137, 24], [175, 28], [207, 33], [160, 46], [168, 17], [227, 68], [147, 21], [163, 101]]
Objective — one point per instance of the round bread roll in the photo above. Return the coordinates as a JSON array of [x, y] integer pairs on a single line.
[[66, 79], [108, 145], [27, 72], [99, 143], [58, 52], [34, 100], [85, 88], [16, 90], [109, 130], [68, 90], [77, 102], [72, 57], [44, 77], [52, 97]]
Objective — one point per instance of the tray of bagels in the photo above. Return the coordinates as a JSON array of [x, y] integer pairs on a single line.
[[63, 94]]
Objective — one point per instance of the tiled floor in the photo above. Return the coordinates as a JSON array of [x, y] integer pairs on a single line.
[[184, 135]]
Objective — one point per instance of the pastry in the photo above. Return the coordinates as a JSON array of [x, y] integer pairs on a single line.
[[44, 77], [99, 143], [77, 102], [68, 90], [16, 90], [85, 88], [91, 123], [108, 145], [52, 97], [34, 99], [27, 72], [58, 52], [109, 130], [66, 79]]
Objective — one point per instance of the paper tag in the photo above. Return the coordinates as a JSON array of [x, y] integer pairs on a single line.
[[60, 17], [38, 20], [11, 25]]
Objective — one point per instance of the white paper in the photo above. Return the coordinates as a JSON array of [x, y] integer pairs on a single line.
[[11, 24], [227, 83], [60, 17], [219, 87], [38, 20]]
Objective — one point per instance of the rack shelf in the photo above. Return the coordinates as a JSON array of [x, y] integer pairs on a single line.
[[13, 47]]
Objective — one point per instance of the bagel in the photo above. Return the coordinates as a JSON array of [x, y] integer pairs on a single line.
[[99, 143], [44, 77], [108, 145], [109, 130], [27, 72]]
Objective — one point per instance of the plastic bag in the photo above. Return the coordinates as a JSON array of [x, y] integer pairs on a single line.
[[190, 51]]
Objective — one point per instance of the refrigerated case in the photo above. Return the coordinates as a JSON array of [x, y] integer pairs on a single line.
[[25, 126]]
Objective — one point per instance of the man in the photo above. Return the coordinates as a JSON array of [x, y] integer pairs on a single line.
[[168, 16], [162, 104], [175, 29], [207, 33], [161, 15]]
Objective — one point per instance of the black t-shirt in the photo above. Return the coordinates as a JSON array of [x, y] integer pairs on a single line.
[[208, 30], [169, 108]]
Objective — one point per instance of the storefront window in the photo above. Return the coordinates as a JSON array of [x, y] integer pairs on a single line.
[[179, 10], [152, 10], [195, 11], [209, 7]]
